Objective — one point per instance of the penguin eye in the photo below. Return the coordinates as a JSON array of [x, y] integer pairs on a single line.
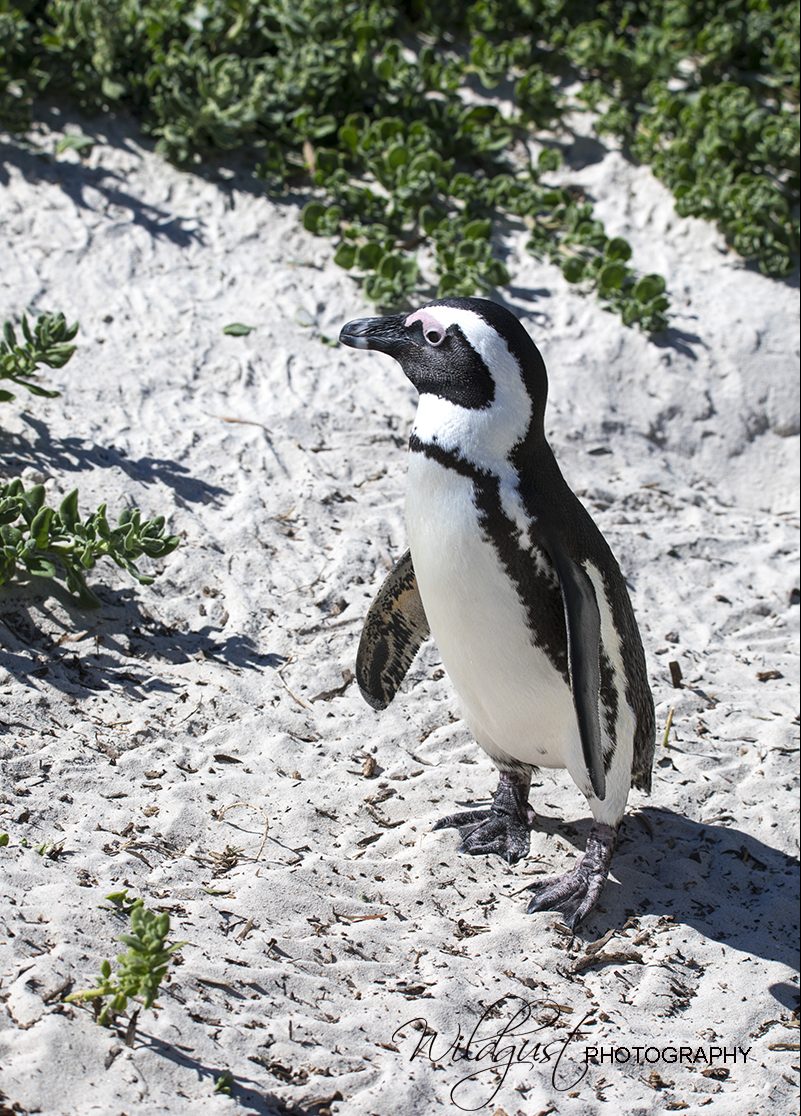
[[434, 336]]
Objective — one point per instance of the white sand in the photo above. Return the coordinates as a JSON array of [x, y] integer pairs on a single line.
[[130, 731]]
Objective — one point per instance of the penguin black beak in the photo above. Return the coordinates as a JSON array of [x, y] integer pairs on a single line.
[[385, 335]]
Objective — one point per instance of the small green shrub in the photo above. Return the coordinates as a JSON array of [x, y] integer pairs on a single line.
[[367, 104], [48, 343], [140, 970], [41, 541]]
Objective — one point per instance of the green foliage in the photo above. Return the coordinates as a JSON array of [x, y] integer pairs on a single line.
[[707, 94], [727, 158], [121, 901], [17, 81], [47, 542], [80, 143], [565, 232], [50, 849], [224, 1083], [46, 343], [722, 131], [140, 970], [366, 104]]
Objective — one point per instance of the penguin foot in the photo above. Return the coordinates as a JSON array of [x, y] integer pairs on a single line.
[[504, 828], [576, 893]]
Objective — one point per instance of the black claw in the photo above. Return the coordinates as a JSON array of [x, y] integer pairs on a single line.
[[563, 894], [575, 894], [503, 842], [469, 817], [490, 831], [503, 829]]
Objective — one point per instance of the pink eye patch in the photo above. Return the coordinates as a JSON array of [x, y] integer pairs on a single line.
[[433, 331]]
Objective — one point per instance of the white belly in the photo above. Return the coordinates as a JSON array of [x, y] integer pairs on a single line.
[[514, 700]]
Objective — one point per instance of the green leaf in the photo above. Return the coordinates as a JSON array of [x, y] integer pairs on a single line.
[[34, 498], [548, 160], [11, 536], [617, 249], [649, 287], [313, 213], [57, 356], [397, 156], [40, 527], [349, 136], [429, 218], [80, 143], [497, 274], [40, 567], [611, 276], [345, 255], [573, 269], [330, 221], [224, 1083], [237, 329], [448, 284], [477, 230], [34, 389], [68, 510], [409, 271], [322, 126], [368, 256], [390, 266]]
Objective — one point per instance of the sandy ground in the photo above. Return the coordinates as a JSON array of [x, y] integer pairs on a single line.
[[152, 744]]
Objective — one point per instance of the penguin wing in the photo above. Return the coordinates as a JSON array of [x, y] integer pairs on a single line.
[[583, 623], [395, 628]]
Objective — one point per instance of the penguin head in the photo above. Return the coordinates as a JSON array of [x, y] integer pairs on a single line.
[[470, 354]]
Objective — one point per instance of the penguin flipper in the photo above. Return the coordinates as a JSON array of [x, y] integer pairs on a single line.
[[393, 632], [583, 623]]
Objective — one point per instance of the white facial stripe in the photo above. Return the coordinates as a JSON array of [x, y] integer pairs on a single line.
[[483, 436]]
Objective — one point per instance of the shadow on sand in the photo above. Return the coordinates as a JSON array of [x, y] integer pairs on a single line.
[[727, 885], [244, 1090], [108, 647], [76, 179], [73, 454], [230, 172]]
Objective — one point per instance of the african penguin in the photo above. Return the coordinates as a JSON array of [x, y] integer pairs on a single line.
[[519, 589]]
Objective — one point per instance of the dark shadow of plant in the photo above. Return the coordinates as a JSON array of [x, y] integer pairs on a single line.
[[75, 454], [118, 646], [247, 1092], [75, 179]]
